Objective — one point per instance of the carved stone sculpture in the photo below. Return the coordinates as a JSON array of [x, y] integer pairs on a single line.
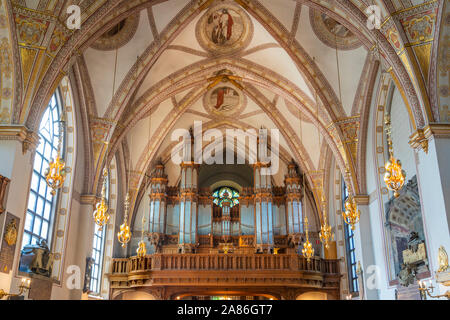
[[37, 259], [294, 239], [186, 248], [156, 239], [414, 241], [406, 275], [87, 275]]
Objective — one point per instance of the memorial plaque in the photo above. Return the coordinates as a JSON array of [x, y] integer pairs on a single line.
[[9, 236], [41, 288]]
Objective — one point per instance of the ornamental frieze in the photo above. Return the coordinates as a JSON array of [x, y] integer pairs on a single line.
[[100, 128], [420, 27]]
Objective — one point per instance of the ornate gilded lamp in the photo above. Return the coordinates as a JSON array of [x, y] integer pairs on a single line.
[[352, 213], [55, 174], [308, 250], [25, 285], [124, 235], [101, 215], [395, 175], [325, 230], [141, 249]]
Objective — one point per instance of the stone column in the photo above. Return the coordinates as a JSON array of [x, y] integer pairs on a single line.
[[84, 238], [363, 236], [17, 149], [433, 177]]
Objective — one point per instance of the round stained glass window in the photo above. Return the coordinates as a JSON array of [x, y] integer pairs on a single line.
[[226, 194]]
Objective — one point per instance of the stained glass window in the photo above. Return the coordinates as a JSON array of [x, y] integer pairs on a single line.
[[226, 194], [41, 204]]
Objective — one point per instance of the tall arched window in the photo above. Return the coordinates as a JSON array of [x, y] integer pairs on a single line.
[[41, 204], [98, 250], [350, 247]]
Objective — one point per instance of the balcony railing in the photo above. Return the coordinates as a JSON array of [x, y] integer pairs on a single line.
[[218, 262]]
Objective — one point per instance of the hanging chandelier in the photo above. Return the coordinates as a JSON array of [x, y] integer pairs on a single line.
[[141, 250], [124, 235], [395, 175], [101, 214], [55, 174], [325, 230], [352, 213], [308, 250]]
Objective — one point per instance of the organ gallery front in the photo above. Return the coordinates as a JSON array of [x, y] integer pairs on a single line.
[[230, 240]]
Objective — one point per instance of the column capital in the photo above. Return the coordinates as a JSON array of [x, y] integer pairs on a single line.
[[420, 138], [88, 199], [361, 199], [27, 137]]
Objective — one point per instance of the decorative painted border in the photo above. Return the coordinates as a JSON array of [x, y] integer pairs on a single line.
[[385, 89], [62, 217]]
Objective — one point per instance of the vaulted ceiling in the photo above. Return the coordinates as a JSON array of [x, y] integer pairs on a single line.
[[143, 69]]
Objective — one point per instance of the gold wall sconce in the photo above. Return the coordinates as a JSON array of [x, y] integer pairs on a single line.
[[428, 290], [25, 285]]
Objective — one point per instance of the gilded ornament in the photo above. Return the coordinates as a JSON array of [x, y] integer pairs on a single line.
[[11, 233], [101, 215], [442, 259], [325, 229], [352, 213], [141, 250], [55, 174], [124, 235], [395, 175], [308, 250]]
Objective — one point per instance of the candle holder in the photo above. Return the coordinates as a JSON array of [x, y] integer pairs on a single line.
[[428, 290], [25, 285]]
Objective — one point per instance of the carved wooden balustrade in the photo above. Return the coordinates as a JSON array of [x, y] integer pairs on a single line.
[[225, 270]]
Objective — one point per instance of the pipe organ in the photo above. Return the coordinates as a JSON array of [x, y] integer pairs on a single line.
[[187, 238], [258, 219], [158, 207], [294, 196], [263, 210]]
